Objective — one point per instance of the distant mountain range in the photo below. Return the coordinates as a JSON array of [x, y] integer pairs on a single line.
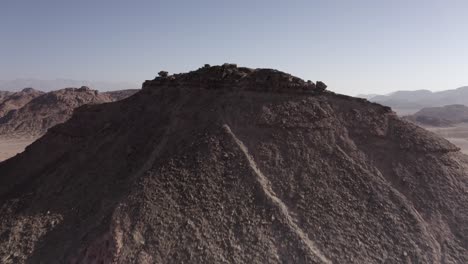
[[50, 85], [408, 102]]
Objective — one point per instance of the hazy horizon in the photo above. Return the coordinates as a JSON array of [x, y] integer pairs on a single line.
[[60, 83], [363, 47]]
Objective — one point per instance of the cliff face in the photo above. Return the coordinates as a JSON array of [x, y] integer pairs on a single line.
[[191, 170]]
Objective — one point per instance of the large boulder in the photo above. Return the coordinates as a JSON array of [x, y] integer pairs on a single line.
[[320, 86], [163, 74]]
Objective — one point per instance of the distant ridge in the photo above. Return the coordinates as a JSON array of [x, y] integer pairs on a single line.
[[50, 85], [15, 100], [440, 116], [416, 100], [30, 113]]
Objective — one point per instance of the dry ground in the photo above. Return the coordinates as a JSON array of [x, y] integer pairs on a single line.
[[11, 147], [405, 111]]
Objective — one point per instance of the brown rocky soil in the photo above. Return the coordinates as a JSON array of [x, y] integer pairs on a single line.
[[11, 101], [233, 165], [4, 94], [52, 108], [34, 117]]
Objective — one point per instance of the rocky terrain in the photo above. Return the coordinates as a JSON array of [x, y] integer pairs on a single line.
[[235, 165], [11, 101], [450, 122], [440, 116], [4, 94], [29, 119], [44, 111]]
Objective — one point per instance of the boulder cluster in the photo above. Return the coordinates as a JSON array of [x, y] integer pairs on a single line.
[[231, 77]]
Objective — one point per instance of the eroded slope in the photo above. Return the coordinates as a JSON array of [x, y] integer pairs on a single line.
[[182, 172]]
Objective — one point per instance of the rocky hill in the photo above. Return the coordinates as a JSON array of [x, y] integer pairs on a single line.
[[39, 114], [234, 165], [12, 101], [4, 94], [440, 116]]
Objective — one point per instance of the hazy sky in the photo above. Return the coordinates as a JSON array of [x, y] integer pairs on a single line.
[[359, 46]]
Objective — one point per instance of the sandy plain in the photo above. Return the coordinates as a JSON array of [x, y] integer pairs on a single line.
[[457, 134], [12, 146]]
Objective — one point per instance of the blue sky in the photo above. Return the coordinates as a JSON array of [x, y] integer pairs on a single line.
[[360, 46]]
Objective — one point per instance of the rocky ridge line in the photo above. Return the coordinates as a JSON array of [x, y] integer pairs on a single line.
[[231, 77]]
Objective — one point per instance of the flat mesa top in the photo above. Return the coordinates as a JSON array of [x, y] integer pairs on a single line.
[[229, 76]]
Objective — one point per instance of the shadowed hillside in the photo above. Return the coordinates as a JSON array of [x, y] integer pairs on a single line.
[[235, 165]]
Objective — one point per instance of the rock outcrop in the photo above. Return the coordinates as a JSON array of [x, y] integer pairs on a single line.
[[321, 86], [232, 165], [12, 101], [52, 108], [49, 109], [230, 77]]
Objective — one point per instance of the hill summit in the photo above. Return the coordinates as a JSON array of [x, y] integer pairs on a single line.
[[234, 165], [230, 77]]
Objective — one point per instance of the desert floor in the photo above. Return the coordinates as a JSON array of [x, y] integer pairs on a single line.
[[11, 147], [458, 135], [405, 111]]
